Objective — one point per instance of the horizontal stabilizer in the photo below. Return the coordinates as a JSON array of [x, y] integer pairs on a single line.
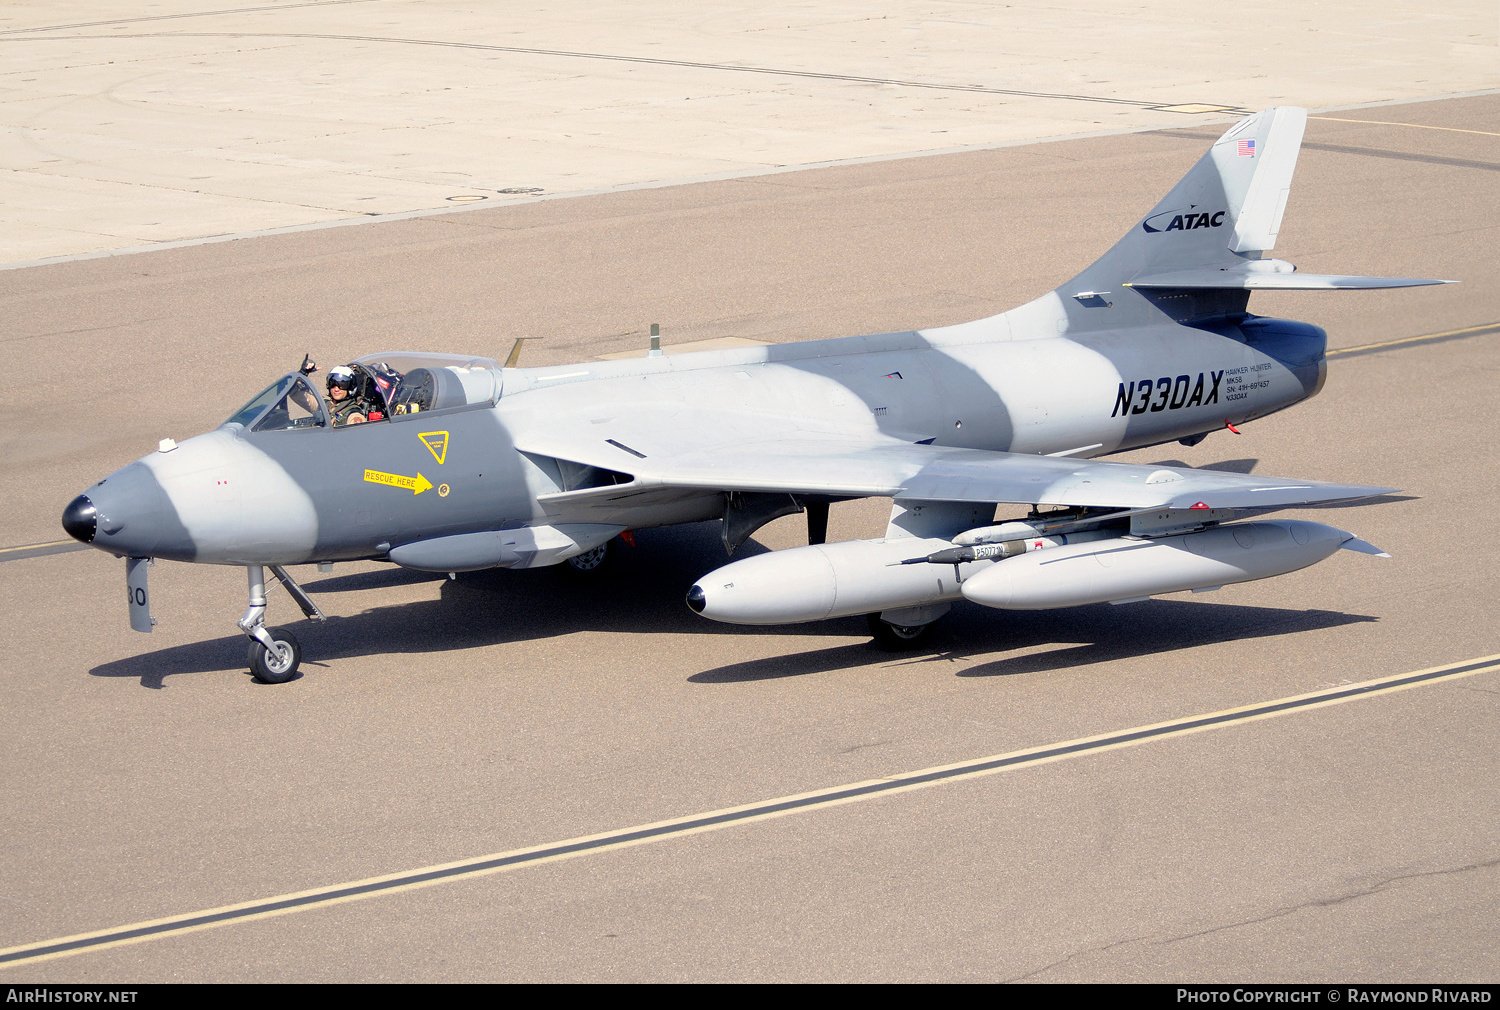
[[1262, 280]]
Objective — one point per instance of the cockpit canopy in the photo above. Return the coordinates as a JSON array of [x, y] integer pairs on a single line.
[[437, 381], [289, 402], [388, 385]]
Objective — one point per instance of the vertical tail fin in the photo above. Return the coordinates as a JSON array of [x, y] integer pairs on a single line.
[[1225, 211], [1256, 205], [1196, 255]]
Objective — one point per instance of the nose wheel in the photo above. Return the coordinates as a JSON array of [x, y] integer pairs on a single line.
[[274, 653], [275, 663]]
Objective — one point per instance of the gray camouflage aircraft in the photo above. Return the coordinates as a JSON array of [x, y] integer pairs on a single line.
[[466, 464]]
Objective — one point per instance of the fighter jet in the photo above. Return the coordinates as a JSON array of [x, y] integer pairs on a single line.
[[982, 433]]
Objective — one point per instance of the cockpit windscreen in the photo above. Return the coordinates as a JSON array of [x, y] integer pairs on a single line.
[[289, 402]]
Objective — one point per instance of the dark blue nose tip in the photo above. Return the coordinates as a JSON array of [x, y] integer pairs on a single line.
[[81, 519], [697, 599]]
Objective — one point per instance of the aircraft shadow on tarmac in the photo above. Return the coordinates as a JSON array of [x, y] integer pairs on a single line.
[[1106, 633], [644, 595], [1224, 466]]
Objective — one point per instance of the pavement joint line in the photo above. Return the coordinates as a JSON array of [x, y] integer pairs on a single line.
[[1425, 338], [693, 824], [739, 174], [452, 210], [658, 61], [1414, 126], [188, 14]]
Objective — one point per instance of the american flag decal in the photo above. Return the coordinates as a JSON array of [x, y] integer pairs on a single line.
[[1246, 149]]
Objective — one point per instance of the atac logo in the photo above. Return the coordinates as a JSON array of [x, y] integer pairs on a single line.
[[1183, 220]]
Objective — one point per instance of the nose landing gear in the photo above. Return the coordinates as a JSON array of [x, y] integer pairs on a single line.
[[274, 653]]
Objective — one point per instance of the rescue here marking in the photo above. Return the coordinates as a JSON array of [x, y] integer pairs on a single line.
[[416, 484]]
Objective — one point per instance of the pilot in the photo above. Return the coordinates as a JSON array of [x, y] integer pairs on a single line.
[[347, 406]]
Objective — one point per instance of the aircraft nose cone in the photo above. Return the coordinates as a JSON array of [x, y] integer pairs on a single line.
[[129, 513], [80, 519], [696, 599]]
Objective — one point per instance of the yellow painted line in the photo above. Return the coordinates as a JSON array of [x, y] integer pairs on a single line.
[[1342, 351], [34, 547], [714, 820], [416, 485], [1414, 126]]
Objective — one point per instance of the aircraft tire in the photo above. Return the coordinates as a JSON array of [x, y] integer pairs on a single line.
[[279, 668], [590, 565], [898, 637]]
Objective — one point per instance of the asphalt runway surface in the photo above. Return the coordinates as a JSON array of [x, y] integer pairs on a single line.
[[440, 722]]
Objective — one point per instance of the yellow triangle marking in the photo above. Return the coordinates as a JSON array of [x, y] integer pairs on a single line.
[[437, 444]]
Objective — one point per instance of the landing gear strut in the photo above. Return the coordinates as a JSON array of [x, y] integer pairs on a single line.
[[275, 653]]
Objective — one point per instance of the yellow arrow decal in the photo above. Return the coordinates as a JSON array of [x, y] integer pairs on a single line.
[[437, 444], [417, 484]]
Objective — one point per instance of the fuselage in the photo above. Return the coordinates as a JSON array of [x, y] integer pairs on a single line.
[[321, 493]]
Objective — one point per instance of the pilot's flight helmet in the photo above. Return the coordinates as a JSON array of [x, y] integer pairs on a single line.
[[341, 376]]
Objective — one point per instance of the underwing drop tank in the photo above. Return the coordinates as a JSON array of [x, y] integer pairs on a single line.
[[1038, 573], [851, 577], [1125, 569], [829, 580]]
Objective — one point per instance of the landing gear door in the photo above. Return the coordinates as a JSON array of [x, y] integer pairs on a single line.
[[140, 595]]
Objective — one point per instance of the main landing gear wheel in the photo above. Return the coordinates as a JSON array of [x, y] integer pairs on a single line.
[[279, 666], [898, 637], [591, 564]]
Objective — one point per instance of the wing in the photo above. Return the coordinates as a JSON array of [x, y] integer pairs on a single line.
[[858, 467]]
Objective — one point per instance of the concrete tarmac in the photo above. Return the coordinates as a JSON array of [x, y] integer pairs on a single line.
[[137, 127], [440, 720]]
